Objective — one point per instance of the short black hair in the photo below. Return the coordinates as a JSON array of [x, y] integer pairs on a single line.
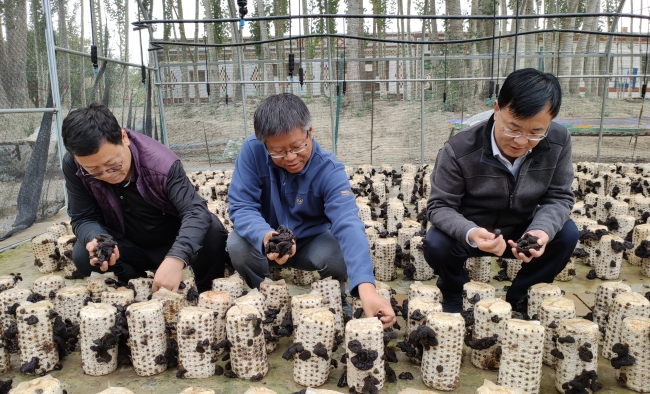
[[86, 129], [528, 91], [280, 114]]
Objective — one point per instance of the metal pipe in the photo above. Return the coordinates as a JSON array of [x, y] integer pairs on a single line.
[[392, 16], [416, 58], [387, 40], [161, 105], [516, 35], [331, 85], [243, 92], [421, 101], [108, 59], [54, 84], [26, 110], [388, 80]]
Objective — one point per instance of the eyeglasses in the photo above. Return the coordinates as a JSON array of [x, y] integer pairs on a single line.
[[295, 151], [516, 134], [108, 171]]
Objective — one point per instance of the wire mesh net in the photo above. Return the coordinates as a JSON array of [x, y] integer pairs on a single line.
[[372, 102]]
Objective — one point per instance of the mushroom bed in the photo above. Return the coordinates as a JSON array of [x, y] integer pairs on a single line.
[[65, 334]]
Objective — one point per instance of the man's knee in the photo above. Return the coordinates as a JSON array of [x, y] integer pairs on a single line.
[[242, 253], [440, 248], [81, 259], [567, 237]]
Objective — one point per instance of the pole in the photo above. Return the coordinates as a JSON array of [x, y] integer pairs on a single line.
[[161, 103], [331, 85], [243, 90], [516, 33], [422, 100], [54, 84]]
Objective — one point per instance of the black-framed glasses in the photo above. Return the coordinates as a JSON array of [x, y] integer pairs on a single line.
[[516, 134], [108, 171], [295, 151]]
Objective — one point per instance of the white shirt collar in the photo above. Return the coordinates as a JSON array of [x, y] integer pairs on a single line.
[[495, 148]]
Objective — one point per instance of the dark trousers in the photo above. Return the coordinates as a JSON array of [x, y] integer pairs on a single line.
[[322, 253], [447, 257], [134, 260]]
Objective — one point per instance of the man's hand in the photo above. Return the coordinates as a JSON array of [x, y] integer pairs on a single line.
[[274, 256], [487, 242], [103, 265], [168, 275], [542, 241], [374, 304]]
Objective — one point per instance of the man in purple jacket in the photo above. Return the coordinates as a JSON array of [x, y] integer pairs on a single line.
[[125, 184], [283, 177]]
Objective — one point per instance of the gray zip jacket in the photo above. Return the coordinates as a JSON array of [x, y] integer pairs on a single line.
[[471, 188]]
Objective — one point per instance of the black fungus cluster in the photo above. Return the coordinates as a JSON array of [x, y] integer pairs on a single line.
[[66, 335], [623, 357], [527, 242], [363, 359], [619, 247], [105, 247], [281, 242], [611, 223], [285, 328], [585, 353], [482, 343], [31, 366], [580, 384], [5, 386], [643, 250], [295, 348]]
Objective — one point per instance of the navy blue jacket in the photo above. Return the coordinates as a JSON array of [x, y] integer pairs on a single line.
[[263, 196]]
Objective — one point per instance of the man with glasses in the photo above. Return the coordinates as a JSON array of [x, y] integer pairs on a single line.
[[512, 173], [125, 184], [283, 177]]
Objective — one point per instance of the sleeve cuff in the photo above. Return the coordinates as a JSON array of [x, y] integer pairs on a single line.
[[472, 244]]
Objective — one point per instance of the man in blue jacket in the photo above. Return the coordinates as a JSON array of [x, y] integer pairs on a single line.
[[283, 177]]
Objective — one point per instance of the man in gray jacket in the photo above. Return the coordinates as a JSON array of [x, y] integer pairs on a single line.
[[512, 173]]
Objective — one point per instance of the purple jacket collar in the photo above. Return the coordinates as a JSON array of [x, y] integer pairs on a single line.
[[152, 161]]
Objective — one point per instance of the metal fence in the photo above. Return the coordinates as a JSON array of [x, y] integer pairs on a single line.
[[396, 103]]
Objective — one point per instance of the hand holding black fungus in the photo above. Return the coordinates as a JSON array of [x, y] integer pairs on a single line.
[[490, 242], [279, 245], [375, 305], [532, 244], [103, 251]]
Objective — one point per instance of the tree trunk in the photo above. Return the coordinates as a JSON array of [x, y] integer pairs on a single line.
[[197, 93], [127, 29], [409, 53], [530, 39], [280, 71], [15, 81], [236, 38], [549, 44], [355, 49], [266, 68], [185, 56], [307, 47], [510, 63], [566, 46], [578, 63], [82, 84], [454, 27]]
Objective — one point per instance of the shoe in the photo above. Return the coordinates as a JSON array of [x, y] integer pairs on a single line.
[[347, 308]]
